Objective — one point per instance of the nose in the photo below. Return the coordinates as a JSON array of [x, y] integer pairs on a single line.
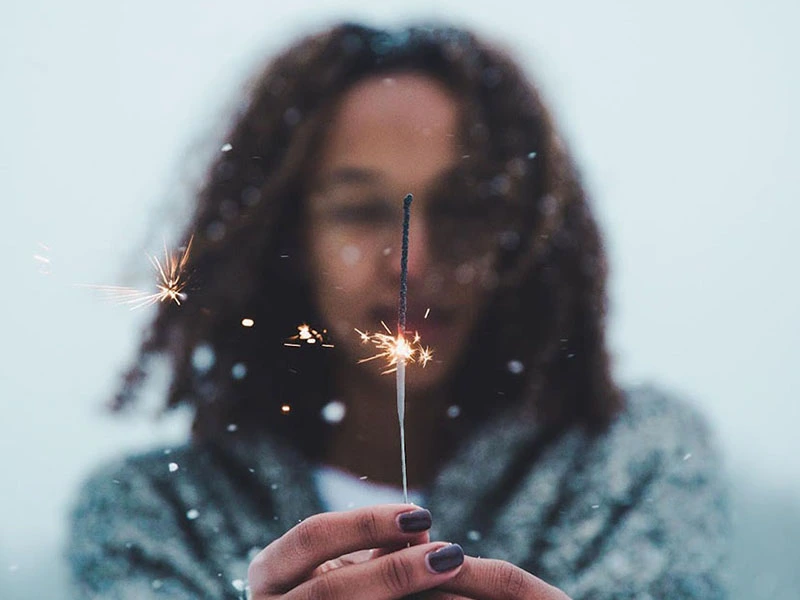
[[418, 249]]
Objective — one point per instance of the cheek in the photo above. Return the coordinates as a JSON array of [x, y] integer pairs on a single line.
[[474, 278], [341, 274], [472, 284], [340, 263]]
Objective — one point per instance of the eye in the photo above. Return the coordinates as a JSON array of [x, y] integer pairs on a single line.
[[459, 209], [374, 212]]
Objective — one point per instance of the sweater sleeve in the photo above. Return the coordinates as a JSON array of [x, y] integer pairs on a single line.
[[665, 522], [130, 539]]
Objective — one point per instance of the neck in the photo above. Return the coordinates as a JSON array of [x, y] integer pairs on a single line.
[[367, 441]]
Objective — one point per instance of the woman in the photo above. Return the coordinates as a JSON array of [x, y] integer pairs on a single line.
[[519, 441]]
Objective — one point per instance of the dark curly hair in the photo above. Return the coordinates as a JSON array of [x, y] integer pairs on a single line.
[[542, 336]]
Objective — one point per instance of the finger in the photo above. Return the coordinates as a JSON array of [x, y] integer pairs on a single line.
[[440, 595], [353, 558], [291, 558], [360, 556], [422, 538], [488, 579], [388, 577]]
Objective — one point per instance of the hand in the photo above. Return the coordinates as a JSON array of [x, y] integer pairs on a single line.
[[486, 579], [377, 553]]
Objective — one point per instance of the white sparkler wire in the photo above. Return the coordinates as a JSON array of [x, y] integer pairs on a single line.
[[401, 415]]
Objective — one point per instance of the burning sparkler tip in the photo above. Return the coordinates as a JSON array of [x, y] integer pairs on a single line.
[[395, 349]]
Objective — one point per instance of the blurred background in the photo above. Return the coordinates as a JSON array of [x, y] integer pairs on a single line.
[[683, 116]]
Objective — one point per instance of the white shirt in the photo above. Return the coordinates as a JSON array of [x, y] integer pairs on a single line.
[[340, 490]]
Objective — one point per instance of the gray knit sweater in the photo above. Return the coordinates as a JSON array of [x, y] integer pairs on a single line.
[[637, 512]]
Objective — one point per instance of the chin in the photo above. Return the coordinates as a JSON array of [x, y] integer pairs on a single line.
[[418, 379]]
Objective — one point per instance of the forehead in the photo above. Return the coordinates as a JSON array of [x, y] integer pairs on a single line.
[[401, 126]]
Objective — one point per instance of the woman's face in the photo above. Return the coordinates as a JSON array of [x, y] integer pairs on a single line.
[[390, 136]]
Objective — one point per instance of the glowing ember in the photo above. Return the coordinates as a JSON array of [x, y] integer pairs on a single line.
[[286, 409], [307, 335], [246, 322]]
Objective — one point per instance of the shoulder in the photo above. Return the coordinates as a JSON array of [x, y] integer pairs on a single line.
[[648, 505], [658, 419], [647, 401], [155, 463], [658, 434], [132, 483], [149, 517], [167, 480]]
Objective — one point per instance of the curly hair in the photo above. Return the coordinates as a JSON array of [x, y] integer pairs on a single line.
[[542, 337]]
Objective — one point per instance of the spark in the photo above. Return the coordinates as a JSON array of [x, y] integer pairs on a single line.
[[306, 334], [170, 282], [395, 348], [285, 409], [425, 355], [427, 312], [247, 322]]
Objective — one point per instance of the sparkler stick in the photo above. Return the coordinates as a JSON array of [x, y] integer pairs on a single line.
[[401, 334], [397, 350]]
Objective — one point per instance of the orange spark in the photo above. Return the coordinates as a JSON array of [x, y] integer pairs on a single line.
[[395, 349], [305, 334], [170, 283]]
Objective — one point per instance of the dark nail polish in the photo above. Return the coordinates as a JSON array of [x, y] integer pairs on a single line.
[[445, 559], [414, 521]]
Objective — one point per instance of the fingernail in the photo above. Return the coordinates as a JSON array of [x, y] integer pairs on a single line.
[[445, 559], [414, 521]]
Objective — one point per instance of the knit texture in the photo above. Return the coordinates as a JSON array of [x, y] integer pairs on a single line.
[[639, 511]]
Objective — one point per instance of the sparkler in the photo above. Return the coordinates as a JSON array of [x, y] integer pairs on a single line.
[[397, 350], [308, 335], [401, 334], [170, 283]]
